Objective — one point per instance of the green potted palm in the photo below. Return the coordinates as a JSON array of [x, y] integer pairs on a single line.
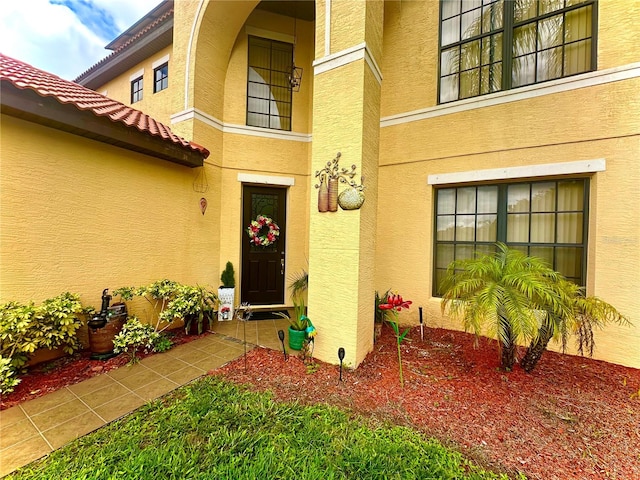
[[299, 322], [226, 293]]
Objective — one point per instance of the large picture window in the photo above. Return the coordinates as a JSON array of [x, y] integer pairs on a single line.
[[492, 45], [546, 219], [268, 87]]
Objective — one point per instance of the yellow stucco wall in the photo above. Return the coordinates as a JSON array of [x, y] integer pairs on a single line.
[[593, 122], [81, 216], [341, 247], [388, 243], [158, 105]]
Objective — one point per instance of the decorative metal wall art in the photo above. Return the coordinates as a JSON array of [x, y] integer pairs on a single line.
[[203, 205], [329, 177]]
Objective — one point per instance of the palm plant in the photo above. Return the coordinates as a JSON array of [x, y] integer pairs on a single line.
[[585, 314], [503, 290], [298, 286]]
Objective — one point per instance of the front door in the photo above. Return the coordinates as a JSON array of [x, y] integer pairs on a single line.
[[263, 266]]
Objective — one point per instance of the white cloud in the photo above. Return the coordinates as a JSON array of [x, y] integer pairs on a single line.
[[53, 38]]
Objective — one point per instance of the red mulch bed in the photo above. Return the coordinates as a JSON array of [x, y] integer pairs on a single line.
[[51, 376], [572, 418]]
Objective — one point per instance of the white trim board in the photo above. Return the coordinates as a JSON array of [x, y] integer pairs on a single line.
[[542, 170], [589, 79], [196, 114], [136, 75], [266, 179], [160, 61], [345, 57]]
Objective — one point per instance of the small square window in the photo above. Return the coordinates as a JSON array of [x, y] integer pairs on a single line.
[[161, 78], [136, 90]]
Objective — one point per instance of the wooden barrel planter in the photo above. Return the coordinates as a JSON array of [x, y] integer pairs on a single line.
[[101, 339]]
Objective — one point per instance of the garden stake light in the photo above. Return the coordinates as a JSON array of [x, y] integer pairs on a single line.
[[281, 337], [421, 325], [243, 313], [341, 357]]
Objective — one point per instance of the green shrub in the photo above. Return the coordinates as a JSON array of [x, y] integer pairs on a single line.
[[8, 376], [191, 304], [228, 276], [26, 328], [136, 336]]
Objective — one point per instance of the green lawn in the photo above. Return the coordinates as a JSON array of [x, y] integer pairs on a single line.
[[214, 430]]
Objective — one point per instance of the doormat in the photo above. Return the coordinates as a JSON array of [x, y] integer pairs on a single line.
[[267, 315]]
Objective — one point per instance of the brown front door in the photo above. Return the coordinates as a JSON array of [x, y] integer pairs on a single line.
[[263, 266]]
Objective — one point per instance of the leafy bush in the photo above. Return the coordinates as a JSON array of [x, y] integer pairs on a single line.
[[26, 328], [191, 303], [136, 336], [173, 300], [8, 378], [158, 294]]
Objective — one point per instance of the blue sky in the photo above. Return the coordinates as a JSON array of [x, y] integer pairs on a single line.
[[65, 37]]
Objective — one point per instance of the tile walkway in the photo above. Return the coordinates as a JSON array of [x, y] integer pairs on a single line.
[[35, 428]]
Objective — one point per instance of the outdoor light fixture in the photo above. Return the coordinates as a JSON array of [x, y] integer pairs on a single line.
[[295, 78], [341, 357], [295, 74], [421, 325], [281, 337]]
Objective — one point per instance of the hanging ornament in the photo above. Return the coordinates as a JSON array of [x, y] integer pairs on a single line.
[[203, 205], [200, 183]]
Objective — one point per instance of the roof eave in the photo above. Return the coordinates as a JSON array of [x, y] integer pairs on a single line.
[[48, 111], [118, 63]]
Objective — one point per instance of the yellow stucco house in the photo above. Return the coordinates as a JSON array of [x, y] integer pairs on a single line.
[[468, 122]]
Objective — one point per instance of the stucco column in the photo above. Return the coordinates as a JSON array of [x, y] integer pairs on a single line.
[[346, 119]]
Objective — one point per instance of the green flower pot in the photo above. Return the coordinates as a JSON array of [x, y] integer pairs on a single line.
[[296, 338]]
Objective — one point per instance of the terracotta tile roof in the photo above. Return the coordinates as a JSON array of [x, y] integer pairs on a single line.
[[148, 28], [24, 76]]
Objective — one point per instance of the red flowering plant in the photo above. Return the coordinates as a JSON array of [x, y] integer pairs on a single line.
[[394, 304], [263, 231]]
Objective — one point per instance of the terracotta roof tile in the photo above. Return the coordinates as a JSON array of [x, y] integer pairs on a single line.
[[24, 76]]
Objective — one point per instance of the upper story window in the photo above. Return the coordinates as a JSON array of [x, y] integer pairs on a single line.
[[160, 77], [136, 90], [268, 87], [492, 45], [545, 219]]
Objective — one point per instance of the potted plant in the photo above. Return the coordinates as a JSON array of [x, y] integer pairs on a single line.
[[226, 293], [193, 305], [299, 322]]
